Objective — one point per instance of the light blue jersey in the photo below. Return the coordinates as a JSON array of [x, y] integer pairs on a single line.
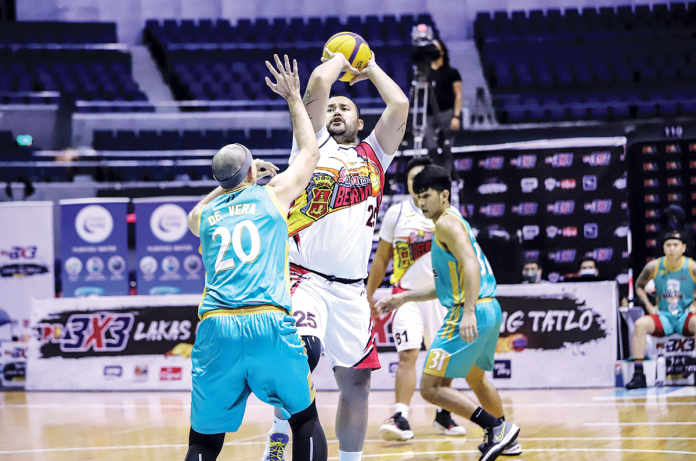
[[244, 245], [449, 275], [674, 288]]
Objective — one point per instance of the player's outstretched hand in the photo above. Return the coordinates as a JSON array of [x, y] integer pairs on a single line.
[[388, 304], [287, 78], [346, 65], [264, 168], [364, 74]]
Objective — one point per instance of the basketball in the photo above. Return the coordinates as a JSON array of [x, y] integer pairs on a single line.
[[353, 47]]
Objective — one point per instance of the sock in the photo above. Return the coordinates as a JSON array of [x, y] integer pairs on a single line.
[[484, 419], [502, 419], [401, 408], [442, 410], [280, 425], [638, 368], [349, 455]]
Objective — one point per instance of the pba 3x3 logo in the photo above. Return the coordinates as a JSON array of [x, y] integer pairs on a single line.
[[82, 332]]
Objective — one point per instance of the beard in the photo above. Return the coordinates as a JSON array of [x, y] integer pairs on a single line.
[[343, 134]]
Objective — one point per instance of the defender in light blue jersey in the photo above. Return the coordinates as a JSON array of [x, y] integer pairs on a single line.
[[466, 342], [246, 340], [675, 282]]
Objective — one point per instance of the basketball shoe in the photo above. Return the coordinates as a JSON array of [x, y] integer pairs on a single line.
[[513, 450], [497, 439], [637, 382], [276, 443], [396, 428], [445, 424]]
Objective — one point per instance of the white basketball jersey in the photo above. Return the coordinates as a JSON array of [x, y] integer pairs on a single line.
[[410, 234], [332, 222]]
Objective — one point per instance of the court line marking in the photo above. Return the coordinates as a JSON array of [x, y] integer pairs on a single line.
[[442, 439], [377, 455], [644, 423], [514, 405]]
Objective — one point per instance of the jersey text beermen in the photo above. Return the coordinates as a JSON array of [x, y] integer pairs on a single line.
[[449, 275], [244, 244], [674, 288], [331, 223], [410, 234]]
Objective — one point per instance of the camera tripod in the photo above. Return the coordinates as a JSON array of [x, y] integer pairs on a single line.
[[422, 97]]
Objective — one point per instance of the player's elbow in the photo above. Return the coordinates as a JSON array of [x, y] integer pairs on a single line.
[[400, 104]]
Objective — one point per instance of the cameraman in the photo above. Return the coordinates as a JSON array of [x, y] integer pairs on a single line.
[[440, 127]]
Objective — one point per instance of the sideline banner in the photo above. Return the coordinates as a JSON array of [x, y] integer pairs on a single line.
[[112, 343], [165, 248], [26, 264], [554, 335], [94, 247]]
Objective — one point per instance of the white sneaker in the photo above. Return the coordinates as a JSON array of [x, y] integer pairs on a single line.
[[396, 428], [276, 443], [445, 424]]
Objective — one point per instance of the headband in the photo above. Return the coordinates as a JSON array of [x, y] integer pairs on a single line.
[[234, 180]]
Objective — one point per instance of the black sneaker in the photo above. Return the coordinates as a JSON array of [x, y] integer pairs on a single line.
[[637, 382], [396, 428], [497, 439], [445, 424]]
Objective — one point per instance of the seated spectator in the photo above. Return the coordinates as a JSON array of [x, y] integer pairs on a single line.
[[675, 281], [588, 270], [532, 271]]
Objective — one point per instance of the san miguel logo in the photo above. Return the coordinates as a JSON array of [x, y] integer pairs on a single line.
[[320, 188], [331, 190]]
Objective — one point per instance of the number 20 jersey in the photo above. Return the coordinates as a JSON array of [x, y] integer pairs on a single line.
[[332, 222], [244, 245]]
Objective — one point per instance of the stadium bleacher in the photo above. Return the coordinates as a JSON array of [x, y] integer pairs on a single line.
[[590, 64], [218, 61], [66, 62]]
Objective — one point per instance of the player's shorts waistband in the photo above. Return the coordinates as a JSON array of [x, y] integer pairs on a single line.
[[329, 278], [478, 301], [260, 309]]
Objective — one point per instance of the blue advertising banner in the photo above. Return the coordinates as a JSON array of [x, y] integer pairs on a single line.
[[94, 247], [166, 251]]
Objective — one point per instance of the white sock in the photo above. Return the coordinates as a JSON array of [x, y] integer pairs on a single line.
[[401, 408], [349, 455], [280, 425]]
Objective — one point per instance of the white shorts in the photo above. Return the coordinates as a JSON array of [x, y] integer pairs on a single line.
[[336, 313], [417, 322]]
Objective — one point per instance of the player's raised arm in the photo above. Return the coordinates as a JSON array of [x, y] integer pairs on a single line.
[[289, 184], [195, 214], [391, 126], [316, 97]]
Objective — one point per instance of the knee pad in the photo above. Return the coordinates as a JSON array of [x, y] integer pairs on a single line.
[[313, 349]]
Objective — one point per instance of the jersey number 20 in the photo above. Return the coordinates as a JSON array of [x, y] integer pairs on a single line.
[[222, 264]]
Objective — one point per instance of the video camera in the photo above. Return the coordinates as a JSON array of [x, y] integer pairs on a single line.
[[424, 50]]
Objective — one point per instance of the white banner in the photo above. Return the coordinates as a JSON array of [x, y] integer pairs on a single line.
[[26, 264], [112, 343], [554, 335]]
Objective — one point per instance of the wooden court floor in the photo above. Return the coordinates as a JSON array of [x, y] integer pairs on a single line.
[[569, 425]]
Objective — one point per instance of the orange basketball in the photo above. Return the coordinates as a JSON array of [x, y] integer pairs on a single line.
[[353, 47]]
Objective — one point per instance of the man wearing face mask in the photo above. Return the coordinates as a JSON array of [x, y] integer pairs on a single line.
[[531, 272], [588, 270]]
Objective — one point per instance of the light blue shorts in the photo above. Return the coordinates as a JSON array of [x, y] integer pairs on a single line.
[[237, 353], [450, 356]]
